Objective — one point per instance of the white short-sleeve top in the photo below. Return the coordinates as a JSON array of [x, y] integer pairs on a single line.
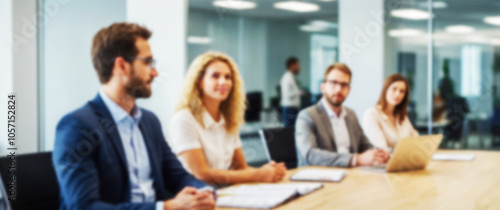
[[185, 133]]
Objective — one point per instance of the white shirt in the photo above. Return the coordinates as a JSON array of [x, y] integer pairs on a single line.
[[381, 133], [340, 131], [185, 133], [290, 91]]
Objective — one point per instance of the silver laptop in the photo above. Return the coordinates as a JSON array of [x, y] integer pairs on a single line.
[[413, 153]]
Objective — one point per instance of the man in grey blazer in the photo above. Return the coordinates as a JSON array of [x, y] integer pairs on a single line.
[[328, 133]]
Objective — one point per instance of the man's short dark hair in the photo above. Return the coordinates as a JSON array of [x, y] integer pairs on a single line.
[[116, 40], [291, 61]]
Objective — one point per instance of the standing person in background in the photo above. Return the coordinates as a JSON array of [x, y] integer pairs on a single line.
[[204, 131], [446, 84], [387, 123], [290, 92]]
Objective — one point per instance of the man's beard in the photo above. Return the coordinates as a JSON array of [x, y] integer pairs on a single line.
[[136, 87], [333, 102]]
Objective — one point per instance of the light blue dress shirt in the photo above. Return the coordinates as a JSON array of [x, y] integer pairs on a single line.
[[139, 169]]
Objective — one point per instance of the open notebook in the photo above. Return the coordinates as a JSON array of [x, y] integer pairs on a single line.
[[321, 175], [262, 196]]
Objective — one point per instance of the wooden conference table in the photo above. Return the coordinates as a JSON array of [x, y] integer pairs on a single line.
[[443, 185]]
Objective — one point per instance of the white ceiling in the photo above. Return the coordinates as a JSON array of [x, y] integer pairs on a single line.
[[265, 9], [457, 12]]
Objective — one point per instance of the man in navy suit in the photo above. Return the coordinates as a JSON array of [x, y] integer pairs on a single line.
[[111, 154]]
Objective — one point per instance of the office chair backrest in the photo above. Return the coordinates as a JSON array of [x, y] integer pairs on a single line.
[[457, 108], [254, 107], [36, 181], [279, 144]]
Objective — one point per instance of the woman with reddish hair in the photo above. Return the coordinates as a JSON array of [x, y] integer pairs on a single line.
[[387, 123]]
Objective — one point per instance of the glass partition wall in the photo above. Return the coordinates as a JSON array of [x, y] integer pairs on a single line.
[[466, 71], [463, 101], [407, 53]]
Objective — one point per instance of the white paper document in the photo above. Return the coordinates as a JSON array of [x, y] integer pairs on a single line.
[[322, 175], [453, 157], [262, 196]]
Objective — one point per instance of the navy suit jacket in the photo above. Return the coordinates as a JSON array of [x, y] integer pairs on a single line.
[[91, 166]]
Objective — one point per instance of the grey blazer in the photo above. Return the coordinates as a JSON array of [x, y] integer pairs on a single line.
[[314, 139]]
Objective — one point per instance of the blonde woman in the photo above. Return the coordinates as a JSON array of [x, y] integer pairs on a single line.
[[204, 131]]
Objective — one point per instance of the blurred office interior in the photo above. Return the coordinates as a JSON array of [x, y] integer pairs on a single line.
[[449, 52]]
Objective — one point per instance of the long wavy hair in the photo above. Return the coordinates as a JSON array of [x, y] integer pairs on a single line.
[[232, 109], [401, 109]]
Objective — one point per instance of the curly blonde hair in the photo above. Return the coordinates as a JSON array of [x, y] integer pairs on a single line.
[[232, 109]]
